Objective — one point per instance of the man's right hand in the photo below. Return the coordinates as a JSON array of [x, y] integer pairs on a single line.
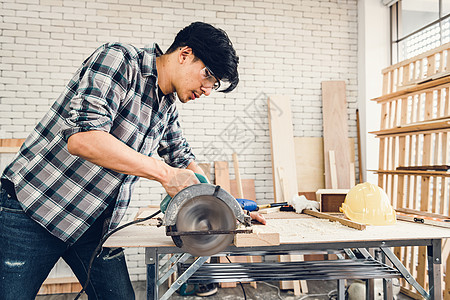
[[178, 179]]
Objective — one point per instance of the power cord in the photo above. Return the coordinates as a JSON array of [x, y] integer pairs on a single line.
[[329, 295], [100, 244], [274, 286]]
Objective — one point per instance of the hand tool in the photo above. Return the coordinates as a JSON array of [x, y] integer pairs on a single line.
[[251, 205], [202, 219]]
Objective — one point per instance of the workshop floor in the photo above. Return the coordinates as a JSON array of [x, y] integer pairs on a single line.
[[263, 292]]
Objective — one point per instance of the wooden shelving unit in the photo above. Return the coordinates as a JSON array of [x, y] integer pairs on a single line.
[[414, 141]]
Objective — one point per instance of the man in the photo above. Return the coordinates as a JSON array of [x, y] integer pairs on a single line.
[[72, 179]]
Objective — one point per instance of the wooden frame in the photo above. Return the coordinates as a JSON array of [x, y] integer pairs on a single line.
[[426, 66], [413, 135]]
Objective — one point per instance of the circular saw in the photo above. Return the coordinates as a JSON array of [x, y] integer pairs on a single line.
[[202, 219]]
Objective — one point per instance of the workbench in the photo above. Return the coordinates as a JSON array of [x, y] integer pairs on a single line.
[[301, 235]]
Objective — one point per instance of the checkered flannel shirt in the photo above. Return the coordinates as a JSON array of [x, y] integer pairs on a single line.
[[115, 90]]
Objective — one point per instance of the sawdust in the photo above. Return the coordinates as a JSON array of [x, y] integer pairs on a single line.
[[321, 230], [295, 228]]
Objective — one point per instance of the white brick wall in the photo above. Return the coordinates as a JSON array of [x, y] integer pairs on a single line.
[[285, 47]]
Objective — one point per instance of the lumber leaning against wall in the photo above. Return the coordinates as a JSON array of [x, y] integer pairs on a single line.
[[335, 135]]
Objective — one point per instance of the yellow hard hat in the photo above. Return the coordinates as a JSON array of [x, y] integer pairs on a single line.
[[367, 203]]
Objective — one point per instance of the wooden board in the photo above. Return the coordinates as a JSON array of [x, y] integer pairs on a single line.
[[283, 147], [248, 186], [309, 162], [10, 145], [206, 168], [335, 132], [222, 175], [341, 220], [257, 239]]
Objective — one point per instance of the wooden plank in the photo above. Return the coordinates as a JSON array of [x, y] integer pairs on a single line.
[[345, 222], [333, 171], [309, 163], [422, 266], [222, 175], [415, 173], [411, 293], [422, 213], [282, 146], [257, 239], [11, 142], [425, 168], [446, 104], [424, 221], [415, 88], [248, 186], [10, 145], [206, 168], [431, 67], [410, 128], [358, 138], [335, 131], [237, 175]]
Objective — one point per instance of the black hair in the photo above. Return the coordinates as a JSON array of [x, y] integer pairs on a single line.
[[213, 47]]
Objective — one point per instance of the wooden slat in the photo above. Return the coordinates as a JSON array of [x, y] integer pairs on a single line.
[[335, 131], [282, 145], [415, 88], [432, 125], [422, 213], [431, 67], [416, 58], [237, 175], [222, 175], [10, 145], [309, 163], [417, 173], [343, 221], [332, 168], [248, 188], [206, 168]]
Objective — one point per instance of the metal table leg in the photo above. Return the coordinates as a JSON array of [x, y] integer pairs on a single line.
[[185, 276], [151, 258], [370, 289], [388, 291], [405, 273], [341, 289], [434, 269], [172, 269]]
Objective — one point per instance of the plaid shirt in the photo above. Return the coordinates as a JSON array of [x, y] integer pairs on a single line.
[[115, 90]]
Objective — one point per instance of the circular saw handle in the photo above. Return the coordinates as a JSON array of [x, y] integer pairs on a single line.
[[166, 200]]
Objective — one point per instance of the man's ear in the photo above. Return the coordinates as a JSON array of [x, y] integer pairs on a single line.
[[185, 54]]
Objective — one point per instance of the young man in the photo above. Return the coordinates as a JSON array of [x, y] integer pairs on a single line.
[[73, 177]]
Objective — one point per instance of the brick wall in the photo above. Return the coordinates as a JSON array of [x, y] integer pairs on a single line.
[[285, 47]]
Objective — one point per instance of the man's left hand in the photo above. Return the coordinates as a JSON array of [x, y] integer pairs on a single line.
[[258, 217]]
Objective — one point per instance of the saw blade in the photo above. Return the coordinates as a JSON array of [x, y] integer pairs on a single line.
[[205, 213]]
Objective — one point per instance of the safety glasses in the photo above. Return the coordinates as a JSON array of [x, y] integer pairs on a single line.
[[209, 79]]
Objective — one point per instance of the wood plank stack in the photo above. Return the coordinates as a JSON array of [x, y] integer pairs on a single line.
[[414, 145]]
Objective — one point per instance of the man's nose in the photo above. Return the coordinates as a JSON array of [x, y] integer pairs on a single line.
[[206, 90]]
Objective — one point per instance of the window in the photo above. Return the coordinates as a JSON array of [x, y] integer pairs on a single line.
[[418, 26]]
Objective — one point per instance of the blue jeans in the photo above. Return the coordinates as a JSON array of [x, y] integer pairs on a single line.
[[28, 252]]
